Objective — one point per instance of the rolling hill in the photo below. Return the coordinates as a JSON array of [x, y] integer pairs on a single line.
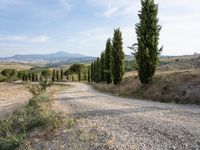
[[53, 58]]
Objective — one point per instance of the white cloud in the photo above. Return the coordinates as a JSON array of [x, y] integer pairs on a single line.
[[24, 38], [112, 8], [39, 39], [66, 3], [110, 12]]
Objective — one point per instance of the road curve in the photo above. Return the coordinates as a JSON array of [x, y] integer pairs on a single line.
[[135, 124]]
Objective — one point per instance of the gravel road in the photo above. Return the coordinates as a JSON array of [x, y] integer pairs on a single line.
[[129, 124]]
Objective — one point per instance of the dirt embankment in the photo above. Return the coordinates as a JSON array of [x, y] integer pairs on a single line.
[[172, 86]]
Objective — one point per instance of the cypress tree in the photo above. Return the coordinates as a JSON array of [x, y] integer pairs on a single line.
[[95, 71], [57, 75], [102, 67], [33, 77], [29, 76], [36, 78], [108, 62], [148, 31], [118, 57], [98, 71], [79, 75], [54, 76], [61, 74], [89, 75], [92, 71]]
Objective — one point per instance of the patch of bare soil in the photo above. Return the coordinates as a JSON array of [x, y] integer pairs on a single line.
[[12, 96]]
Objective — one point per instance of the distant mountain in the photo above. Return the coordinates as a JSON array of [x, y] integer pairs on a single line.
[[52, 58]]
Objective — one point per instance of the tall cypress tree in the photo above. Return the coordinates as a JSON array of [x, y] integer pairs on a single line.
[[102, 67], [92, 71], [57, 75], [89, 75], [36, 77], [118, 57], [95, 71], [61, 74], [54, 76], [98, 71], [148, 31], [33, 77], [29, 76], [108, 62]]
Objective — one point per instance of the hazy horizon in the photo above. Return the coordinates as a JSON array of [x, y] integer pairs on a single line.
[[74, 26]]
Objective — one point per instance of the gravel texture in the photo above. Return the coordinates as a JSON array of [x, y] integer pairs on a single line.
[[129, 124]]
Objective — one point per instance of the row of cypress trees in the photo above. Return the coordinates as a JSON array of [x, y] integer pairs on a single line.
[[57, 75], [33, 77], [109, 67]]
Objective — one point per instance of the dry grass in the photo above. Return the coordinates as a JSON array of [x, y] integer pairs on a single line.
[[17, 66], [12, 96], [170, 86]]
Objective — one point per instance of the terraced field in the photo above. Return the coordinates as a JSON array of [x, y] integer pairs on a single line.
[[11, 97]]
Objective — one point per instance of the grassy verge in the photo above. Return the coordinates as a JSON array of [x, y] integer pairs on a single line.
[[2, 78], [170, 87], [15, 128]]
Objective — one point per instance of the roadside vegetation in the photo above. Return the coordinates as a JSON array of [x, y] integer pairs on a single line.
[[180, 87], [37, 113]]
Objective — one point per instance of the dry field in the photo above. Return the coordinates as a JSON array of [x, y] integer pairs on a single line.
[[17, 66], [12, 96]]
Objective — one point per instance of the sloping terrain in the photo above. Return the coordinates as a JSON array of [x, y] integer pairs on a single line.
[[181, 86]]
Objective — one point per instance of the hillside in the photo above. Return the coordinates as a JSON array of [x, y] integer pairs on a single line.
[[57, 57], [181, 86]]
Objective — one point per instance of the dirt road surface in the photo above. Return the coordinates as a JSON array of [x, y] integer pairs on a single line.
[[129, 124]]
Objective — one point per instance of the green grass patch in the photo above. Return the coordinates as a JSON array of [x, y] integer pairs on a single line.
[[2, 78]]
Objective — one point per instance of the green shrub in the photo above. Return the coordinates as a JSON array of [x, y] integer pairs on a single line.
[[11, 142], [70, 123], [53, 120], [5, 127], [36, 89], [2, 78], [36, 100]]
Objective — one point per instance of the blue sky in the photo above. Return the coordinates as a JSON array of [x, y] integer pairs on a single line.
[[82, 26]]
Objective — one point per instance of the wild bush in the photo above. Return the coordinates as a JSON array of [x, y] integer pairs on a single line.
[[37, 113], [36, 89]]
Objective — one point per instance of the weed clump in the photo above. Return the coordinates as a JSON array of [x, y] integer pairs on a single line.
[[37, 113]]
